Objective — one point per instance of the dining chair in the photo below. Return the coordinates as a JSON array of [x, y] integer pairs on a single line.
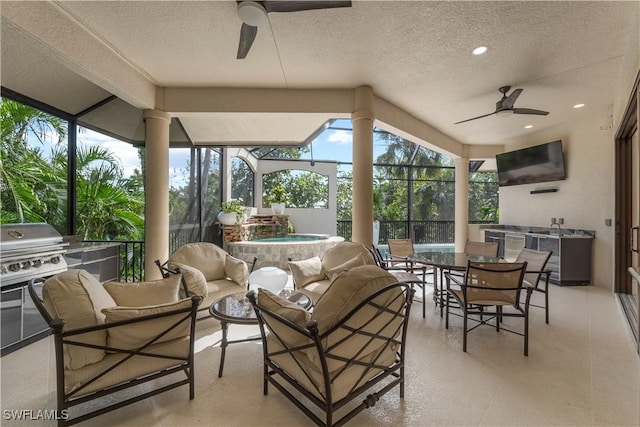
[[470, 248], [481, 248], [411, 272], [489, 292], [536, 263], [513, 244]]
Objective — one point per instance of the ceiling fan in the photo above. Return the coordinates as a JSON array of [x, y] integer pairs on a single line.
[[252, 13], [505, 106]]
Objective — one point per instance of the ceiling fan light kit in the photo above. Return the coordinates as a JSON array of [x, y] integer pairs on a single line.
[[251, 13]]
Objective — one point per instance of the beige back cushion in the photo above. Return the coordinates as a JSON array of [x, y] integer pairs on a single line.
[[138, 294], [347, 291], [343, 251], [347, 265], [290, 311], [306, 271], [195, 280], [137, 335], [206, 257], [76, 297], [236, 270]]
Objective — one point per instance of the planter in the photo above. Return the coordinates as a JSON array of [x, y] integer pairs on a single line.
[[277, 208], [228, 218]]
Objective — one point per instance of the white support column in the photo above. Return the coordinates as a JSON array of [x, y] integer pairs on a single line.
[[227, 157], [461, 203], [156, 241], [362, 211]]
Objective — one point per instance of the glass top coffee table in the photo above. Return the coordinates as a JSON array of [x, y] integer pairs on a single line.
[[236, 309]]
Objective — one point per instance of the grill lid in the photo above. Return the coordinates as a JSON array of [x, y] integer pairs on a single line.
[[15, 237]]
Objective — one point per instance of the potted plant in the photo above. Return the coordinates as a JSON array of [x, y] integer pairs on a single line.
[[278, 198], [232, 212]]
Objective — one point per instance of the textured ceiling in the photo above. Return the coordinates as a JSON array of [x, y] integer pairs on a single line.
[[414, 54]]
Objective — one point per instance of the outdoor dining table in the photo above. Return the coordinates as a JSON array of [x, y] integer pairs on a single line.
[[446, 261]]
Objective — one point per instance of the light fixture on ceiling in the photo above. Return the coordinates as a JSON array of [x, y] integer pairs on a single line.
[[479, 50], [251, 13], [504, 113], [578, 106], [528, 126]]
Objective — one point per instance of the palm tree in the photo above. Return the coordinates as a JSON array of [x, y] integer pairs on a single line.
[[29, 184]]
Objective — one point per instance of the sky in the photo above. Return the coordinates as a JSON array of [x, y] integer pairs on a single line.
[[331, 145]]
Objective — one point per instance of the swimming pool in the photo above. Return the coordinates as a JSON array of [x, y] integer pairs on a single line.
[[276, 251]]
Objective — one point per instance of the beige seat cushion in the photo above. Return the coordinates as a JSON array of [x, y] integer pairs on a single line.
[[135, 367], [306, 271], [343, 378], [206, 257], [138, 294], [138, 334], [290, 311], [76, 297], [219, 288]]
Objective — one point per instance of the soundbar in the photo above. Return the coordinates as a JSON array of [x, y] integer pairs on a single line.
[[544, 190]]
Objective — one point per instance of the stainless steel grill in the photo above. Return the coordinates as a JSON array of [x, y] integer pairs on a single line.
[[28, 251]]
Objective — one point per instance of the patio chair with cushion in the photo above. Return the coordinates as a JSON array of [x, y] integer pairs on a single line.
[[352, 346], [209, 271], [115, 337], [313, 276]]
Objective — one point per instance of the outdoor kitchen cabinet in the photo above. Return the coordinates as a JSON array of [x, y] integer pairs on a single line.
[[99, 259], [570, 261]]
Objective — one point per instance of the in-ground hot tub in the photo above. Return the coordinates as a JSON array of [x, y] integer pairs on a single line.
[[276, 251]]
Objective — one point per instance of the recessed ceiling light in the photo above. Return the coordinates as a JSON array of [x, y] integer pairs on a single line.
[[479, 50], [578, 106], [528, 126]]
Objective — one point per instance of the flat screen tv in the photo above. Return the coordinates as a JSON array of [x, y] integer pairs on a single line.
[[540, 163]]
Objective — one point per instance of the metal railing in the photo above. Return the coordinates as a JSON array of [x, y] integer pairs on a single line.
[[419, 231], [132, 251]]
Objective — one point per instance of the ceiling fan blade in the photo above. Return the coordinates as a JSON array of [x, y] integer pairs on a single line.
[[530, 111], [511, 99], [247, 36], [474, 118], [296, 6]]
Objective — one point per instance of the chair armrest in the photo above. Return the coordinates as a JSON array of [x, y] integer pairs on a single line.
[[164, 268], [454, 277]]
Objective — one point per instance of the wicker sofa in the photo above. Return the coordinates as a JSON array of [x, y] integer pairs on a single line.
[[114, 337]]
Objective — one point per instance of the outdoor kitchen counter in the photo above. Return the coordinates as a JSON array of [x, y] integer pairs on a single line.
[[99, 258]]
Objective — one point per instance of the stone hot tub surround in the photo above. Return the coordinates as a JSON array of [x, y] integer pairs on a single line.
[[277, 253]]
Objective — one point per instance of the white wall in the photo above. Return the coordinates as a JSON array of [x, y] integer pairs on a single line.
[[322, 221], [585, 199]]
